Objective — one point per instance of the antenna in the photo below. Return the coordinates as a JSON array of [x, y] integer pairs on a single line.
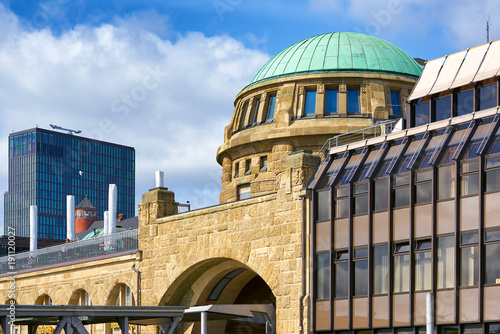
[[70, 131], [488, 24]]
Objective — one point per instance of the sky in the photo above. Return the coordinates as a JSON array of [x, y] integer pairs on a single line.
[[162, 75]]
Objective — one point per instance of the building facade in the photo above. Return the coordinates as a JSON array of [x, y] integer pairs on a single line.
[[256, 246], [45, 166], [416, 212]]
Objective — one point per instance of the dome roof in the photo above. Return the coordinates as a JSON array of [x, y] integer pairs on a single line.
[[339, 52]]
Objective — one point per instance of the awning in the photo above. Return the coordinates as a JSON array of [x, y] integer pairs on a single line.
[[491, 63], [448, 72], [470, 66], [427, 79], [458, 69]]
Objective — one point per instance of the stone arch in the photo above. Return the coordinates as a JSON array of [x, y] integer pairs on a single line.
[[120, 291], [43, 299], [78, 297], [218, 281]]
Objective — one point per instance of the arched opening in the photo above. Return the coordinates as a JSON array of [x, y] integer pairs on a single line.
[[80, 297], [43, 300], [220, 281], [120, 295]]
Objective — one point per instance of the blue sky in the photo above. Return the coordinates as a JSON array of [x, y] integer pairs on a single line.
[[74, 63]]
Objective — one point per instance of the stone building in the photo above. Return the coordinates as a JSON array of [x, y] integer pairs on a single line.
[[255, 247]]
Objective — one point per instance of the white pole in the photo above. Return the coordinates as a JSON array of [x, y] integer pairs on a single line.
[[203, 322], [112, 203], [106, 222], [159, 179], [70, 217], [33, 227], [429, 314]]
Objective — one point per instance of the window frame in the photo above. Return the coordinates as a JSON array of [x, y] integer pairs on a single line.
[[358, 91], [327, 90], [269, 105], [308, 90], [397, 94]]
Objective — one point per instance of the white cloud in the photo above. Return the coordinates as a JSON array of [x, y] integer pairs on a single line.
[[124, 83], [460, 23]]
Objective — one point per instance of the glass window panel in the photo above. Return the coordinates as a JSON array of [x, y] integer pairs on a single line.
[[493, 180], [465, 102], [495, 146], [341, 279], [402, 196], [423, 192], [271, 106], [422, 113], [310, 105], [493, 162], [423, 271], [423, 244], [353, 101], [446, 262], [361, 204], [401, 180], [453, 144], [256, 110], [360, 253], [323, 278], [480, 133], [395, 103], [467, 239], [423, 176], [323, 205], [381, 194], [401, 273], [360, 188], [341, 255], [488, 96], [494, 328], [331, 101], [443, 108], [446, 182], [469, 184], [341, 207], [492, 236], [469, 266], [361, 278], [492, 265], [470, 166], [380, 269]]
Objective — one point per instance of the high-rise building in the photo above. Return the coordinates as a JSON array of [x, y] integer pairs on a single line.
[[45, 166]]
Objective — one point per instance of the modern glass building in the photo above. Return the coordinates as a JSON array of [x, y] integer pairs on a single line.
[[45, 166], [416, 211]]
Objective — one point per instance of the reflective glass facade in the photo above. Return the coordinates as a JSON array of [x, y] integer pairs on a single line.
[[45, 166], [409, 214]]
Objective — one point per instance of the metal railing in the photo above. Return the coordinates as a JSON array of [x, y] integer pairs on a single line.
[[183, 207], [362, 134], [104, 245]]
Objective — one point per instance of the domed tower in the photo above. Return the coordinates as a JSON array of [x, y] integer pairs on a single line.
[[85, 215], [315, 89]]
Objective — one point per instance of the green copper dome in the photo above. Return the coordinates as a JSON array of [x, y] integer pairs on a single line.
[[339, 52]]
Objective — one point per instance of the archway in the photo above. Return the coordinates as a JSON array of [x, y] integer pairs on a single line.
[[220, 281], [80, 297], [43, 300]]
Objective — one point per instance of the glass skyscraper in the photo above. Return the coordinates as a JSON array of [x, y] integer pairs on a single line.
[[45, 166]]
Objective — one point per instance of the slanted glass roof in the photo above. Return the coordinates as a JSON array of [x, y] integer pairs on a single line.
[[339, 52]]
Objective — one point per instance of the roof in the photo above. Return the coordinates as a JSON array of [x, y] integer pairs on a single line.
[[97, 227], [85, 205], [337, 52], [458, 69]]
